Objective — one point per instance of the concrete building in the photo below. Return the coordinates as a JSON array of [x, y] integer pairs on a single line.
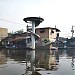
[[47, 35], [3, 33]]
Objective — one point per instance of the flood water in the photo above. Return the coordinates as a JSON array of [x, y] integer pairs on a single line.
[[13, 62]]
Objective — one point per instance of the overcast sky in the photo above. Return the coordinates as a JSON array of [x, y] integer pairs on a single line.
[[55, 12]]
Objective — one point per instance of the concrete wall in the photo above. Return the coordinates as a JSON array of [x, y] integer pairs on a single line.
[[52, 36], [47, 35], [3, 33], [44, 34]]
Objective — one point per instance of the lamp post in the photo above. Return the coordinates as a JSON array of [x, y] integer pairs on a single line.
[[35, 22]]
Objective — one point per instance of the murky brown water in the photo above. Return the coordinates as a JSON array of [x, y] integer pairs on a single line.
[[61, 62]]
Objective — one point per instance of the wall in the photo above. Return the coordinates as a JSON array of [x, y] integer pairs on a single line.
[[52, 36], [44, 36], [3, 33], [48, 35]]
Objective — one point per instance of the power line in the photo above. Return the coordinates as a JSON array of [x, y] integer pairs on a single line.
[[11, 21]]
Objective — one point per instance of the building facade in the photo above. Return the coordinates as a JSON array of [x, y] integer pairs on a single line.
[[22, 40], [47, 35], [3, 33]]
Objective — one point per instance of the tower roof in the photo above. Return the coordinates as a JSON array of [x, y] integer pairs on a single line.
[[37, 20]]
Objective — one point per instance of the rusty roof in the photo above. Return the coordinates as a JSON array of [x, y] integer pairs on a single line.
[[19, 38]]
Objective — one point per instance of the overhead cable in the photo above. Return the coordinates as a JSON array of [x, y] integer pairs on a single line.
[[11, 21]]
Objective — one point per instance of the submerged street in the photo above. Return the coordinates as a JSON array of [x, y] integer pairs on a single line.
[[66, 65], [13, 62]]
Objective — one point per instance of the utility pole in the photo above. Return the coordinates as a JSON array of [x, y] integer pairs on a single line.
[[72, 30]]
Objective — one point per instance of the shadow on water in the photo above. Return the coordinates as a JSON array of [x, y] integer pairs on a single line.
[[17, 62], [17, 55]]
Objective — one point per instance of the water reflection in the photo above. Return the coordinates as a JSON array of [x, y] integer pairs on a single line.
[[47, 59], [72, 63], [53, 62], [66, 62], [71, 53], [13, 62], [3, 58]]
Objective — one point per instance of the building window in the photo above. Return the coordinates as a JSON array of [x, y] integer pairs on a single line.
[[42, 30], [51, 32]]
